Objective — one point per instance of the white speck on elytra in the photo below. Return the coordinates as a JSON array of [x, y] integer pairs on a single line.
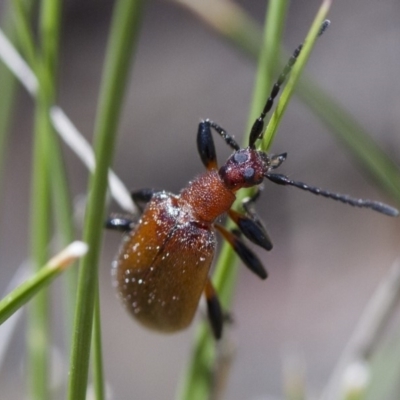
[[135, 246]]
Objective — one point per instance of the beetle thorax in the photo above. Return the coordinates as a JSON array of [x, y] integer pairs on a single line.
[[207, 197]]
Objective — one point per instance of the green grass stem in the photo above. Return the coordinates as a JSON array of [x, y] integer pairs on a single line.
[[98, 373], [43, 62], [297, 69], [27, 290], [8, 86], [37, 330], [122, 40], [197, 384], [25, 38]]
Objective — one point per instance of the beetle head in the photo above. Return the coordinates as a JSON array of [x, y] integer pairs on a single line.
[[247, 167]]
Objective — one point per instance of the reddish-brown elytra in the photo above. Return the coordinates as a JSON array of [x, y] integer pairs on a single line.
[[163, 264]]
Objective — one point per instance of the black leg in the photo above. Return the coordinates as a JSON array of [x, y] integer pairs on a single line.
[[205, 143], [142, 196], [373, 205], [246, 255], [124, 223], [121, 224], [214, 310], [250, 225], [205, 146]]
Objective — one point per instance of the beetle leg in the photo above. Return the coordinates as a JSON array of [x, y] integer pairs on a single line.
[[142, 196], [252, 229], [205, 143], [214, 309], [205, 146], [126, 224], [121, 224], [246, 255], [250, 225]]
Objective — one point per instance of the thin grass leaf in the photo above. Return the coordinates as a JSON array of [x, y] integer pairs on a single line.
[[294, 76], [8, 87], [122, 40], [38, 324], [43, 61], [98, 374], [7, 331], [197, 384], [23, 293], [24, 34], [50, 16], [268, 60]]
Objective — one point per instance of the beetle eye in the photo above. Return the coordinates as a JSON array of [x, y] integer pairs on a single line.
[[249, 174], [240, 157]]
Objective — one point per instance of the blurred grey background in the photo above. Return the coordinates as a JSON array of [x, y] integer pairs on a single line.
[[327, 258]]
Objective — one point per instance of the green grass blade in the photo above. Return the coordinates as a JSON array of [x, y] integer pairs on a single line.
[[268, 59], [98, 374], [123, 35], [8, 86], [38, 332], [197, 382], [50, 17], [294, 76], [25, 40], [23, 293], [38, 329]]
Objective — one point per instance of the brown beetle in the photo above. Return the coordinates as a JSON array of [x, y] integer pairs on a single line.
[[163, 264]]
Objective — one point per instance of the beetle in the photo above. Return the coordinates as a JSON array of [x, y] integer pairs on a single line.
[[163, 264]]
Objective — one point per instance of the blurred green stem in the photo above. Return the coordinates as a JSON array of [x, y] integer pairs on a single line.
[[122, 40], [37, 331], [197, 384], [294, 76], [8, 86], [98, 375], [38, 327], [45, 275]]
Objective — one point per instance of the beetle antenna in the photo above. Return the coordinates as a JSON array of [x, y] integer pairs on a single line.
[[373, 205], [256, 131]]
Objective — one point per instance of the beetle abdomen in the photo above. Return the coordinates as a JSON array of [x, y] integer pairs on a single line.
[[163, 265]]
